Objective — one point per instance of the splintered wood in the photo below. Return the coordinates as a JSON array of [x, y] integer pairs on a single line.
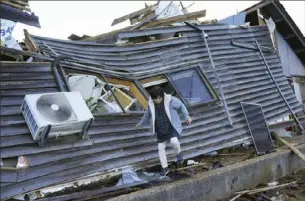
[[21, 4]]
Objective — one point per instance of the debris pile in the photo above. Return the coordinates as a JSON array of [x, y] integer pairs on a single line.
[[288, 188], [162, 14]]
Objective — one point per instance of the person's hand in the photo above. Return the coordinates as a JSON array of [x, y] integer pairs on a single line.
[[189, 121], [138, 126]]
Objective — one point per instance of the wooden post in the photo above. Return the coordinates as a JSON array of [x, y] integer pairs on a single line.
[[292, 148]]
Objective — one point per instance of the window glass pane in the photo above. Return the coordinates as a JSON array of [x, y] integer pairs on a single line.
[[191, 86]]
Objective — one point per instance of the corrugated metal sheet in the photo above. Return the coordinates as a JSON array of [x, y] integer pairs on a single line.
[[113, 140]]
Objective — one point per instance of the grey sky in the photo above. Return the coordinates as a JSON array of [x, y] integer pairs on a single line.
[[59, 19]]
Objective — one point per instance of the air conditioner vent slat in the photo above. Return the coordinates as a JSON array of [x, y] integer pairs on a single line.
[[66, 113]]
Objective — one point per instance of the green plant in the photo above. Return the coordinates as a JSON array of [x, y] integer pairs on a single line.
[[90, 105]]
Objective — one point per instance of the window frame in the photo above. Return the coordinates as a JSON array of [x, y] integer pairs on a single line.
[[133, 81], [104, 76], [204, 79]]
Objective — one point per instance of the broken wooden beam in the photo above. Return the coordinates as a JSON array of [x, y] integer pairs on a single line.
[[106, 35], [12, 51], [133, 15], [23, 3], [175, 19], [30, 44], [292, 148], [237, 196], [259, 190], [10, 3]]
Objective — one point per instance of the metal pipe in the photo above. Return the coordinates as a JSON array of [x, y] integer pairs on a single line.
[[55, 72], [214, 72], [277, 86], [63, 75]]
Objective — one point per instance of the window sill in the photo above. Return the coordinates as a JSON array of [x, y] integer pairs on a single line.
[[214, 101]]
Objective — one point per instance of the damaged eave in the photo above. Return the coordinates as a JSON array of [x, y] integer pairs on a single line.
[[18, 15], [284, 23]]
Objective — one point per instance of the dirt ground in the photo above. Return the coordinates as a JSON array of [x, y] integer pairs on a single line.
[[289, 193]]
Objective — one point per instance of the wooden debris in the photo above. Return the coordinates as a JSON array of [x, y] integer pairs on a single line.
[[133, 15], [89, 194], [8, 168], [292, 148], [198, 165], [259, 190], [76, 37], [175, 19], [20, 53], [142, 18], [144, 21], [30, 44], [23, 3], [106, 35], [10, 54], [16, 5], [237, 196]]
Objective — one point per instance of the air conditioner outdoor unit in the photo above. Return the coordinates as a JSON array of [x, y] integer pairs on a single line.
[[51, 115]]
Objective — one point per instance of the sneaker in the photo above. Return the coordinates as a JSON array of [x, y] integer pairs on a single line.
[[180, 159], [164, 172]]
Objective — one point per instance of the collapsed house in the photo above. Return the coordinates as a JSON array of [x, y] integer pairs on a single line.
[[211, 68]]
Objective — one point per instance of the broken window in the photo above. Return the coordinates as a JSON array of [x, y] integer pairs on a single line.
[[128, 94], [95, 91], [112, 95], [190, 86]]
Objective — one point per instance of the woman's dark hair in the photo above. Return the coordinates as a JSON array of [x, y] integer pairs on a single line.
[[155, 92]]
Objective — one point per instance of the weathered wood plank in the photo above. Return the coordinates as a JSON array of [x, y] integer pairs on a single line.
[[24, 53], [292, 148], [106, 35], [16, 5], [133, 15]]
